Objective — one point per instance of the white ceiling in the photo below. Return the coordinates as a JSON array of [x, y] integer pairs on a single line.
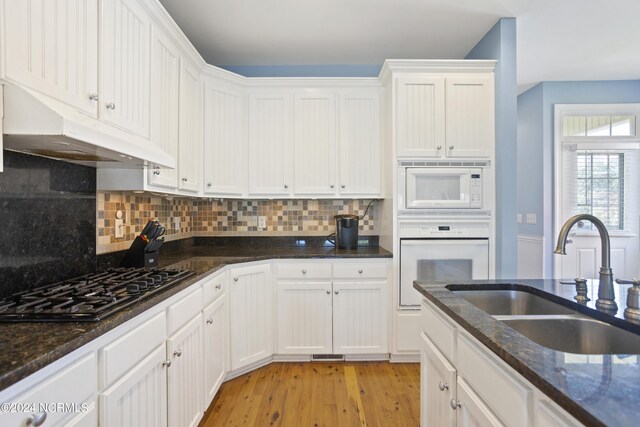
[[556, 39]]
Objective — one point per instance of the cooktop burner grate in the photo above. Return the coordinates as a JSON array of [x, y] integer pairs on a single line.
[[88, 298]]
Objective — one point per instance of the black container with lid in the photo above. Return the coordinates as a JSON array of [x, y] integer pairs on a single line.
[[347, 231]]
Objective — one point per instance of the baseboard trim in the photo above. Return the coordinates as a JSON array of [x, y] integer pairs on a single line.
[[405, 358]]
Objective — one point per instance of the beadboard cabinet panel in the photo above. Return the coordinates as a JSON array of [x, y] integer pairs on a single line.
[[437, 387], [190, 125], [52, 47], [215, 347]]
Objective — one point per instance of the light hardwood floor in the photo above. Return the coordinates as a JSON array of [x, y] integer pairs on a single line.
[[320, 394]]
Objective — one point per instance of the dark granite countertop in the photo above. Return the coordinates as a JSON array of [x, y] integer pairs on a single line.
[[596, 389], [28, 347]]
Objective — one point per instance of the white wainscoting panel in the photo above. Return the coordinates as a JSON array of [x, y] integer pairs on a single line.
[[530, 257]]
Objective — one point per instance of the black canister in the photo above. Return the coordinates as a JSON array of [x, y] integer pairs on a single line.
[[347, 231]]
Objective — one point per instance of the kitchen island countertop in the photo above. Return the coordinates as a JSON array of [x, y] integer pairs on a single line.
[[27, 347]]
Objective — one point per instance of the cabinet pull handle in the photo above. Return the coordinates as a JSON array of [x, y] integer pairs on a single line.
[[336, 292], [94, 97], [360, 271], [110, 106], [156, 170], [218, 286], [37, 419], [443, 386], [177, 353], [166, 363], [304, 271], [209, 321], [235, 279], [455, 404], [451, 147]]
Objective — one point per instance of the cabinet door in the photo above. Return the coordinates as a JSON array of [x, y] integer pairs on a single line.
[[251, 311], [420, 119], [190, 140], [360, 317], [437, 387], [125, 34], [270, 144], [359, 158], [470, 116], [185, 389], [225, 161], [304, 317], [315, 144], [471, 410], [139, 398], [40, 53], [215, 347], [165, 73]]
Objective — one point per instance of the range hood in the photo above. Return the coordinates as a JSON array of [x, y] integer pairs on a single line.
[[36, 124]]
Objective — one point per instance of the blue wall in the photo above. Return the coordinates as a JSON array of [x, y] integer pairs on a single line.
[[535, 144], [337, 70], [500, 44]]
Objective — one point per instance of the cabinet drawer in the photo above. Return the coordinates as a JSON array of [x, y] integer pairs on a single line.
[[440, 330], [304, 270], [75, 384], [360, 270], [213, 288], [181, 312], [125, 352], [503, 393]]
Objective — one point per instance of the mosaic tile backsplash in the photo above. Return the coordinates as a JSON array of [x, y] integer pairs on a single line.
[[221, 218]]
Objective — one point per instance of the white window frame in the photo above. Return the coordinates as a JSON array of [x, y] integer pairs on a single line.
[[586, 142]]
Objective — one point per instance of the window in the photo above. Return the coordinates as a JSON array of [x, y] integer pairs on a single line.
[[600, 187], [594, 126]]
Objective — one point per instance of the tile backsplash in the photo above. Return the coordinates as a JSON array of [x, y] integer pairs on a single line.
[[204, 217]]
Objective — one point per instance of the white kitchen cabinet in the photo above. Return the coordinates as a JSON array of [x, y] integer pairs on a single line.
[[360, 317], [41, 55], [469, 116], [359, 144], [139, 398], [190, 128], [315, 143], [225, 145], [437, 387], [420, 116], [125, 34], [270, 144], [250, 315], [184, 379], [215, 347], [165, 72], [471, 411], [305, 317]]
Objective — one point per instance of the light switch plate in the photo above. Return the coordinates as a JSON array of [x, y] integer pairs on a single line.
[[119, 228], [531, 218], [519, 216], [176, 223], [262, 222]]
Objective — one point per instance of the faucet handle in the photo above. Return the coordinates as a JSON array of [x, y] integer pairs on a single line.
[[581, 290], [634, 282]]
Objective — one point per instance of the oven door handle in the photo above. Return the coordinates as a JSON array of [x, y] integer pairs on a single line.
[[444, 241]]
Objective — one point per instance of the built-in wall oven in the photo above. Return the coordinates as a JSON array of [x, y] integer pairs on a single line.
[[447, 250]]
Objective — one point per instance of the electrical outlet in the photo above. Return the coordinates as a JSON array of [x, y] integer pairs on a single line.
[[531, 218], [176, 223], [262, 222], [119, 228], [519, 216]]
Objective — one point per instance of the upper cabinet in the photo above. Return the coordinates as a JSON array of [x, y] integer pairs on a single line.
[[165, 72], [41, 55], [190, 128], [315, 143], [225, 145], [125, 34], [270, 144], [445, 114]]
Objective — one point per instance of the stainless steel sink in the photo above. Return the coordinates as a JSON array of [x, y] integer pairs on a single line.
[[509, 302], [577, 335]]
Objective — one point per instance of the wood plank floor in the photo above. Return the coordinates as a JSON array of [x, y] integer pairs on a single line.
[[320, 394]]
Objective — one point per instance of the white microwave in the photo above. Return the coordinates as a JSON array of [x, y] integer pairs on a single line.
[[443, 188]]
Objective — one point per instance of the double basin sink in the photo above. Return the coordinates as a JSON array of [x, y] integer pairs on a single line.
[[552, 325]]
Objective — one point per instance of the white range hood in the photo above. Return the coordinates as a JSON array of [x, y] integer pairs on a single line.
[[36, 124]]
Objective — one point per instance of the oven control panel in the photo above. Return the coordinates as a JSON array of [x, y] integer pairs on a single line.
[[445, 229]]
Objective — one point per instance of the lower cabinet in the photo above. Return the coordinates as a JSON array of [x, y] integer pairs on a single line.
[[215, 347], [250, 315], [437, 387], [184, 350], [470, 409]]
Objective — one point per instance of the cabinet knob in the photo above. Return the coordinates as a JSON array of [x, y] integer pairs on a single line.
[[110, 106], [209, 321], [328, 292], [455, 404], [177, 353], [156, 170], [304, 271], [451, 147], [336, 292], [184, 179], [360, 271], [331, 186], [443, 386], [286, 186], [209, 184], [235, 279], [94, 97], [342, 186], [166, 363], [218, 286], [37, 419], [439, 147]]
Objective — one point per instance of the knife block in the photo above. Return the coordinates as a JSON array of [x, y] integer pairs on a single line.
[[137, 256]]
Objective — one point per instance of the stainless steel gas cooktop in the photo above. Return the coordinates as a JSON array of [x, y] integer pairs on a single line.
[[88, 298]]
